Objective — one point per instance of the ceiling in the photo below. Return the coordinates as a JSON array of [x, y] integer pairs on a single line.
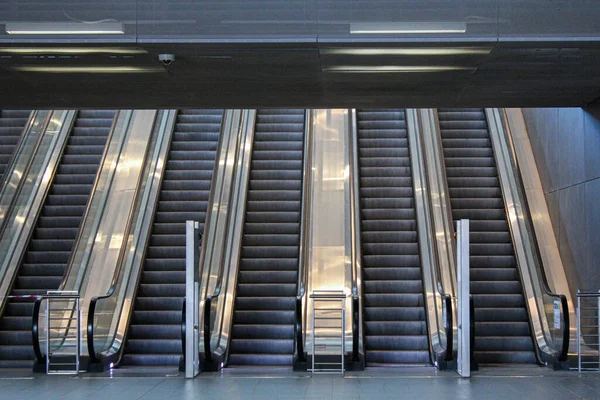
[[524, 74]]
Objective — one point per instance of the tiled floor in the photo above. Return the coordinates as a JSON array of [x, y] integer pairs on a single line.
[[421, 384]]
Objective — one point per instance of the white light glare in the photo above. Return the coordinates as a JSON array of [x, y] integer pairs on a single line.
[[407, 27], [420, 51], [87, 70], [64, 28], [361, 69]]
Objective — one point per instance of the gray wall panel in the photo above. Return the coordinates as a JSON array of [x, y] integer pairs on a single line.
[[566, 146]]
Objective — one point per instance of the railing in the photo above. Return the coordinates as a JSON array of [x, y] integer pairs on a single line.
[[438, 291], [221, 245], [108, 314], [588, 331], [63, 334], [300, 356], [328, 316], [548, 311]]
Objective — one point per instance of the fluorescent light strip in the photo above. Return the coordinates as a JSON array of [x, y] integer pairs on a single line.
[[64, 28], [71, 50], [425, 51], [360, 69], [88, 70], [407, 27]]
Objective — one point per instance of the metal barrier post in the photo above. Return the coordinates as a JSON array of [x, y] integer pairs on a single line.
[[464, 309], [192, 256]]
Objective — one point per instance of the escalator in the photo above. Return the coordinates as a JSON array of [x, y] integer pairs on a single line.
[[154, 336], [12, 123], [502, 331], [50, 246], [263, 320], [394, 314]]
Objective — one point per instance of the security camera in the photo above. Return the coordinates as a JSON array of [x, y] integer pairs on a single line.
[[166, 59]]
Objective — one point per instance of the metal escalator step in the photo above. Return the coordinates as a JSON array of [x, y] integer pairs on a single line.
[[375, 357], [262, 332], [501, 320], [154, 336], [271, 346], [394, 316]]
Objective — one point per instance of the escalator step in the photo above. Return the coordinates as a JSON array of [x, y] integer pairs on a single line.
[[263, 319], [502, 333], [393, 303], [155, 330], [12, 124]]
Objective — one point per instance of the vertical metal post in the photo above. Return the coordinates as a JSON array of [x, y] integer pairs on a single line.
[[192, 361], [343, 334], [578, 332], [598, 322], [47, 335], [78, 336], [314, 335], [464, 317]]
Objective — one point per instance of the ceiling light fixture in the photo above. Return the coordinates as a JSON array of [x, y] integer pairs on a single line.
[[363, 69], [87, 70], [416, 51], [407, 27], [64, 28]]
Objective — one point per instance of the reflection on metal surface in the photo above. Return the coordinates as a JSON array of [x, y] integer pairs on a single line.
[[441, 216], [95, 262], [330, 241], [434, 300], [222, 239], [112, 310]]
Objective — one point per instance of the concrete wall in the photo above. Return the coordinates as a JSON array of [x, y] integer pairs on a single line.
[[566, 146]]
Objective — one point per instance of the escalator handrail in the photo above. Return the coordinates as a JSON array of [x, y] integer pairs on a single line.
[[425, 176], [10, 165], [93, 355], [208, 301], [304, 226], [565, 324], [35, 328], [356, 251]]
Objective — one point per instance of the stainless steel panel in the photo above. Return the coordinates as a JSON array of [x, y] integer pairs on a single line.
[[330, 243], [105, 228], [113, 311], [591, 145]]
